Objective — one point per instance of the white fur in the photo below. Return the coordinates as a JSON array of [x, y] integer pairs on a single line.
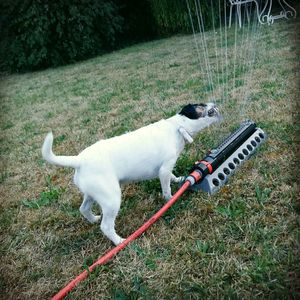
[[146, 153]]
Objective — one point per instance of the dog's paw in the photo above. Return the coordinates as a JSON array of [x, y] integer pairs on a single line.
[[120, 241], [179, 179], [97, 219], [167, 197], [94, 219]]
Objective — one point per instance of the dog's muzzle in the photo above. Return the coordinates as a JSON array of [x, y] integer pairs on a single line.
[[213, 112]]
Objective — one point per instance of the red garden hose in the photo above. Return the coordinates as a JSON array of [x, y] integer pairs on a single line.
[[109, 255]]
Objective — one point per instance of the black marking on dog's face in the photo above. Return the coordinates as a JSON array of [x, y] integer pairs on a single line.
[[193, 111]]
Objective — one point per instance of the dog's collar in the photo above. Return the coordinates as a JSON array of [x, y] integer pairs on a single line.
[[187, 137]]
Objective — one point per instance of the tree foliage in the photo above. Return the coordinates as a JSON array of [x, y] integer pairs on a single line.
[[40, 33], [37, 34]]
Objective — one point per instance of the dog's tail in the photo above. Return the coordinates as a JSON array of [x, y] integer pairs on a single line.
[[48, 155]]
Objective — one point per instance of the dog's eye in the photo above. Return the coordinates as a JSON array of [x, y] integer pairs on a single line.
[[200, 111]]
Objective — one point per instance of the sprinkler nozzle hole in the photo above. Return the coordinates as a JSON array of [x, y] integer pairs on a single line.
[[231, 166], [221, 176], [241, 156], [226, 171], [236, 161], [245, 151], [216, 182]]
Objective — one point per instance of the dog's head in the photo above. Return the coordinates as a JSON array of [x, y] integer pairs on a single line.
[[198, 116], [197, 111]]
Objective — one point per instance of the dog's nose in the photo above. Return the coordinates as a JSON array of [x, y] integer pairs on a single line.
[[213, 111]]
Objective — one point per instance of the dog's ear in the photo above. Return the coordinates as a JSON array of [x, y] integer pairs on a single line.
[[189, 111], [192, 111]]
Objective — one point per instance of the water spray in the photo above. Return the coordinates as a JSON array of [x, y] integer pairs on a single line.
[[208, 174]]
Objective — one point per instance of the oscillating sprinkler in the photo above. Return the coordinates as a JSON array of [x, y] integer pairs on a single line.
[[221, 162]]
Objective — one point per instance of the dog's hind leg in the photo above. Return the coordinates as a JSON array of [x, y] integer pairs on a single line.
[[109, 198], [86, 211], [108, 225]]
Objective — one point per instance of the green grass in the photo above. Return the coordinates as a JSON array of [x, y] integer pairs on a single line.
[[241, 243]]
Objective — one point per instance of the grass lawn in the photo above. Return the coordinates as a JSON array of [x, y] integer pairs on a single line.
[[240, 243]]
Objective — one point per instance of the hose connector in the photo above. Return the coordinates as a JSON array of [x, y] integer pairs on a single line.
[[194, 177]]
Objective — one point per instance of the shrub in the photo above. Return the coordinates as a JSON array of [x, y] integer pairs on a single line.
[[39, 34]]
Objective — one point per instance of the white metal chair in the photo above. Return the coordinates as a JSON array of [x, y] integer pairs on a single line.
[[238, 4], [287, 12]]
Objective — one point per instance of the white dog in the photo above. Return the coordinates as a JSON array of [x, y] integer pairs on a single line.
[[146, 153]]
